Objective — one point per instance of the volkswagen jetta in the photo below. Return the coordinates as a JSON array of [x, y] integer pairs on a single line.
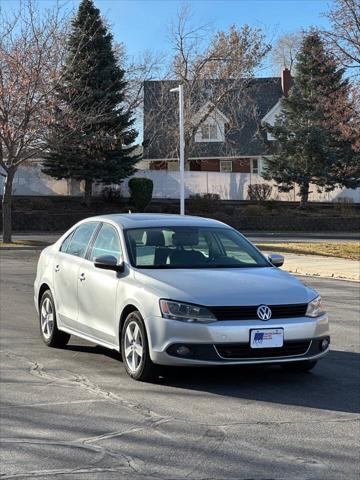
[[176, 290]]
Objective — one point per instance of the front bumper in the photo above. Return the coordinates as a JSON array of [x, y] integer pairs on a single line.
[[227, 342]]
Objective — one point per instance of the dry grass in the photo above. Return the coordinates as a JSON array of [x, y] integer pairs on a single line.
[[349, 250], [24, 243]]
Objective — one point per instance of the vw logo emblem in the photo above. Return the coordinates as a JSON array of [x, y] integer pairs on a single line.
[[264, 312]]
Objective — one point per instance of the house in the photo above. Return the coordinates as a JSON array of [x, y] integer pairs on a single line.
[[229, 140]]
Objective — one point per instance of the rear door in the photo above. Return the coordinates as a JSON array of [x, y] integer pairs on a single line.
[[97, 288], [66, 273]]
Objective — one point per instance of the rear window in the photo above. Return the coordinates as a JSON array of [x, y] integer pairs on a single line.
[[66, 242], [78, 243]]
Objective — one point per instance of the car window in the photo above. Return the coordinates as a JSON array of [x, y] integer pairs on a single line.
[[80, 239], [202, 246], [66, 242], [229, 241], [107, 242], [159, 245], [191, 247]]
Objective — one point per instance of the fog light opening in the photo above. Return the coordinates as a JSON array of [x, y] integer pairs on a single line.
[[324, 344], [183, 350]]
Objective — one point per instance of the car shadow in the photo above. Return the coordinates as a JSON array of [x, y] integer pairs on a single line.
[[334, 384], [96, 349]]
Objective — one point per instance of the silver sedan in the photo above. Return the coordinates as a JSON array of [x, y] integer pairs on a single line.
[[176, 290]]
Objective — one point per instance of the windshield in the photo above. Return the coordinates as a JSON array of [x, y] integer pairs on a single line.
[[191, 247]]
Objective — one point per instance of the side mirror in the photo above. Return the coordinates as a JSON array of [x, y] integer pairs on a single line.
[[109, 262], [276, 259]]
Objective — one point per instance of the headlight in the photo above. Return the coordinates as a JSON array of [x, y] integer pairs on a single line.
[[315, 308], [185, 312]]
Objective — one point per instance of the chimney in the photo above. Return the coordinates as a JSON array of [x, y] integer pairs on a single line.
[[285, 81]]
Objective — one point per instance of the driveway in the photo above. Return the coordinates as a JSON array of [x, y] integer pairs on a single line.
[[74, 414]]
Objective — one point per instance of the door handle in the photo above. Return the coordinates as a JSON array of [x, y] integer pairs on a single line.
[[57, 268], [82, 277]]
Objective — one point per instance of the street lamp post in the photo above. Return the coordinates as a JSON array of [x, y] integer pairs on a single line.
[[180, 90]]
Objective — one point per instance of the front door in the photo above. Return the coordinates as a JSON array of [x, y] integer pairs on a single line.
[[66, 273], [97, 289]]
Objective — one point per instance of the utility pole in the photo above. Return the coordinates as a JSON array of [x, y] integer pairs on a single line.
[[180, 90]]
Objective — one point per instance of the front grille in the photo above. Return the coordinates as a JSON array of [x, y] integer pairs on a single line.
[[243, 350], [249, 312]]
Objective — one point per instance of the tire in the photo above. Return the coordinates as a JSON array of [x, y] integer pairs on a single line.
[[135, 349], [49, 331], [299, 367]]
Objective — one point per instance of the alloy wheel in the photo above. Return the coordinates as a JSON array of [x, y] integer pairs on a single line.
[[47, 318], [133, 346]]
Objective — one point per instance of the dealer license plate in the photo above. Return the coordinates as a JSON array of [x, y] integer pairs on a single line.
[[267, 338]]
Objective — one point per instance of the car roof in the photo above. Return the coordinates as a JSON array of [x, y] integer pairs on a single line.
[[146, 220]]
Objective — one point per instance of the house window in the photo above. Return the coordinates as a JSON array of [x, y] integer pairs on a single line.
[[225, 166], [173, 166], [209, 131], [254, 165]]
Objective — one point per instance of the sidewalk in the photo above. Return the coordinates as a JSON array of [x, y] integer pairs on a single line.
[[319, 266]]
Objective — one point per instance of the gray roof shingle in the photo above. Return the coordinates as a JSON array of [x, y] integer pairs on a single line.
[[242, 135]]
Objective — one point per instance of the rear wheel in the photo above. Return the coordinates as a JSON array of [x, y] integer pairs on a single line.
[[135, 349], [303, 366], [50, 334]]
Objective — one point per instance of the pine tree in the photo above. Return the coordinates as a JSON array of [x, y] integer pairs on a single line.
[[309, 146], [92, 136]]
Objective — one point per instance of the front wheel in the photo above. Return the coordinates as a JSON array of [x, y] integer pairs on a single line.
[[302, 366], [135, 349], [50, 334]]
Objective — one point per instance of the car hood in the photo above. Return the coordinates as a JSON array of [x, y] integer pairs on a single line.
[[227, 287]]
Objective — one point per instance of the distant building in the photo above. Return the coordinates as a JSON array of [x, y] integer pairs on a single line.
[[230, 140]]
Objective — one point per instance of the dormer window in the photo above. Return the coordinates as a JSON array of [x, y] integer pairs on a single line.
[[212, 129], [270, 118], [209, 132]]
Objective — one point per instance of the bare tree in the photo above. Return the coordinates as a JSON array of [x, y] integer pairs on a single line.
[[283, 54], [146, 66], [31, 53], [344, 36], [344, 42], [215, 68], [344, 116], [33, 50]]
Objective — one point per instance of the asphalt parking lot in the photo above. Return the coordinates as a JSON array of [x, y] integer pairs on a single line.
[[74, 413]]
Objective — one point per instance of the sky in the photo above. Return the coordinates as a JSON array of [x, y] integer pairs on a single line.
[[143, 24]]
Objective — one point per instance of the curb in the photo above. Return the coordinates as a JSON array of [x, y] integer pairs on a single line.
[[307, 275]]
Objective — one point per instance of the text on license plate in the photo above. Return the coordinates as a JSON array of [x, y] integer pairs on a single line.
[[267, 338]]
